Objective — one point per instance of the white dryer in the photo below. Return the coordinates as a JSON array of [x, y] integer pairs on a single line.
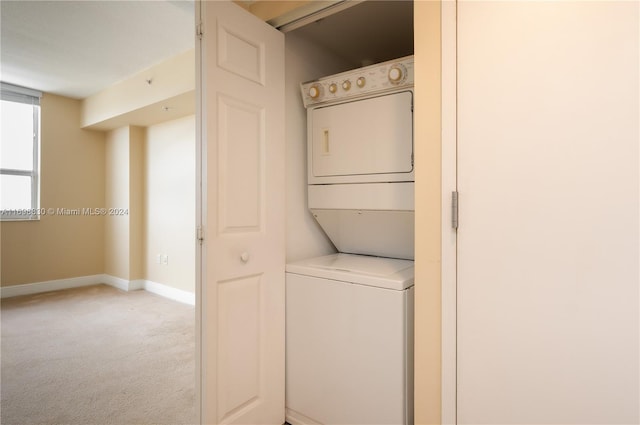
[[350, 340], [360, 170]]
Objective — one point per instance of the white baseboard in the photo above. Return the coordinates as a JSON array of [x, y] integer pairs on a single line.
[[122, 284], [170, 292], [50, 285], [137, 284], [117, 282]]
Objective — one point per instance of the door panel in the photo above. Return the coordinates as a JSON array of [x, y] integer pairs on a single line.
[[241, 55], [548, 107], [241, 166], [242, 136], [240, 342]]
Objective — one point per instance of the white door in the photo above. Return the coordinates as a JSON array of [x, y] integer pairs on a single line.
[[242, 285], [548, 258]]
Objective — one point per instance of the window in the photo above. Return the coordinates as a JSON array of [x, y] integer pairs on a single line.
[[19, 153]]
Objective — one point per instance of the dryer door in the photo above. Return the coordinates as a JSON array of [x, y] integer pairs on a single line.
[[369, 140]]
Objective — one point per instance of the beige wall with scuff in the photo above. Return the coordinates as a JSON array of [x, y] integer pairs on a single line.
[[427, 122], [170, 202], [60, 246]]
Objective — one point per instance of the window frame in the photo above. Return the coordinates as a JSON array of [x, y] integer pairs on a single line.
[[13, 93]]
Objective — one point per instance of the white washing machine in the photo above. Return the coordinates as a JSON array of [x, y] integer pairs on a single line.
[[350, 340]]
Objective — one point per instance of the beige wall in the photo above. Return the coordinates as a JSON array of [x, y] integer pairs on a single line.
[[427, 141], [72, 176], [169, 203], [110, 169], [137, 136], [148, 173], [116, 247], [124, 191], [134, 101]]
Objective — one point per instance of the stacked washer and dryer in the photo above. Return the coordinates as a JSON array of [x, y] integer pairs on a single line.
[[350, 315]]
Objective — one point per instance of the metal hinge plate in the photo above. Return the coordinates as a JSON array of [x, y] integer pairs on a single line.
[[200, 234], [199, 31]]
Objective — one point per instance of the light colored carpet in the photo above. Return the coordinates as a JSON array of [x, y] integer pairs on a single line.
[[97, 355]]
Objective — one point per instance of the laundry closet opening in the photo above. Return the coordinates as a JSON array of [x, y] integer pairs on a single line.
[[350, 216]]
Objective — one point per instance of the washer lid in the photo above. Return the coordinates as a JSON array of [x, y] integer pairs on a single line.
[[389, 273]]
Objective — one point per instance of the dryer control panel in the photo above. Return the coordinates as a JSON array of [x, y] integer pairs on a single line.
[[378, 78]]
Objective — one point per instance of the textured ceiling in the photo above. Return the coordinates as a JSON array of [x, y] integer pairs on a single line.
[[77, 48]]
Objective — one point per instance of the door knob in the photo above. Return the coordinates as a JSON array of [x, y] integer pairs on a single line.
[[244, 257]]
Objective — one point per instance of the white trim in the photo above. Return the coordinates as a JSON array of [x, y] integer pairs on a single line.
[[153, 287], [201, 190], [449, 236], [6, 87], [19, 94], [33, 212], [136, 285], [50, 285], [170, 292], [119, 283]]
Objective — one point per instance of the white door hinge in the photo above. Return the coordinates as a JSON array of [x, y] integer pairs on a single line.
[[454, 210]]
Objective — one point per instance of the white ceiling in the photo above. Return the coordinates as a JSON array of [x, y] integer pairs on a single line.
[[77, 48]]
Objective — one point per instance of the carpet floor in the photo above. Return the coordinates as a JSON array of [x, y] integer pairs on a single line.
[[97, 355]]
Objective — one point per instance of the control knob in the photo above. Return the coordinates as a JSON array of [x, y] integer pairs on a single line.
[[361, 82], [333, 87], [397, 73], [315, 91], [346, 85]]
